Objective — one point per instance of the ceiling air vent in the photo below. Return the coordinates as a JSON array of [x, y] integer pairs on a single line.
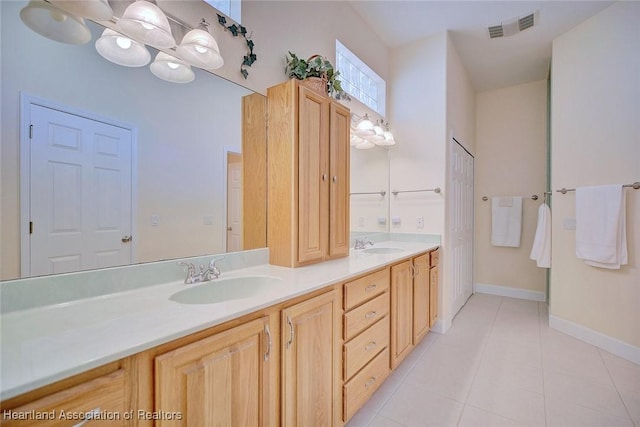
[[513, 26]]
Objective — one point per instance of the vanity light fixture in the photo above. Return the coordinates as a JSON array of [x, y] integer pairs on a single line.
[[367, 135], [96, 10], [144, 21], [121, 50], [171, 69], [200, 49], [364, 126], [55, 24], [388, 136], [365, 145]]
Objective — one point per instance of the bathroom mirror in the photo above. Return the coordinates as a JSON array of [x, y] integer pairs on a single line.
[[185, 136], [370, 195]]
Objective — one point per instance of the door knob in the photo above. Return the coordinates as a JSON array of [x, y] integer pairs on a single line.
[[127, 239], [229, 228]]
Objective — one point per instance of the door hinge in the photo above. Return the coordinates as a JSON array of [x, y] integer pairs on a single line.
[[30, 131], [30, 227]]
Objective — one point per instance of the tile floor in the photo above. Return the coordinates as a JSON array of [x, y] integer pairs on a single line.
[[501, 365]]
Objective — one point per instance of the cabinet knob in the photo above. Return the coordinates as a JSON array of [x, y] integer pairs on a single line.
[[335, 178], [324, 176]]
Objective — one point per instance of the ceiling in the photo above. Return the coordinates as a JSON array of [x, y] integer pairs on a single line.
[[490, 63]]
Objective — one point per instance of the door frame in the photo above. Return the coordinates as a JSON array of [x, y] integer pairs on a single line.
[[26, 101], [225, 187]]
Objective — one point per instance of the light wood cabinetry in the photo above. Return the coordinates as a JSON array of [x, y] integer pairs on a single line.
[[365, 353], [421, 297], [103, 401], [310, 370], [224, 379], [414, 303], [308, 176], [433, 286]]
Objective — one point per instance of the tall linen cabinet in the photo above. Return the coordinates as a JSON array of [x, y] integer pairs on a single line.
[[308, 176]]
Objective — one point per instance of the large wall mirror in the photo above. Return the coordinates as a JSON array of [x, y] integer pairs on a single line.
[[370, 193], [186, 141]]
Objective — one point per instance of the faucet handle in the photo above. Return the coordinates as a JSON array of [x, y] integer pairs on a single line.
[[191, 271], [214, 268]]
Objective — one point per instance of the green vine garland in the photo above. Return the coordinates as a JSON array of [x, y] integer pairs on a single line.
[[239, 30]]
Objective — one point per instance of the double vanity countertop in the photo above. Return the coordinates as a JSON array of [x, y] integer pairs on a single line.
[[42, 345]]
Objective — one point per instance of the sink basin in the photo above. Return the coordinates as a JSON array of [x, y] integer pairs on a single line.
[[383, 250], [222, 290]]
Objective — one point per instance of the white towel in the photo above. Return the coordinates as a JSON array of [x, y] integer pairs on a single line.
[[506, 221], [541, 249], [601, 234]]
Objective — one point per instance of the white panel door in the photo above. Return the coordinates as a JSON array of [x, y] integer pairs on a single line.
[[234, 205], [80, 193], [461, 231]]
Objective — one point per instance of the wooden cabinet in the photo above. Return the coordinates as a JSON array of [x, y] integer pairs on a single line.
[[308, 176], [224, 379], [101, 400], [401, 311], [365, 353], [310, 370], [433, 286], [421, 297]]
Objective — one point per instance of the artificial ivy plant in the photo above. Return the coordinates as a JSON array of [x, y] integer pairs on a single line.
[[316, 66]]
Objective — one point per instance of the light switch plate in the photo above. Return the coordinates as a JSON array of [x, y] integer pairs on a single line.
[[569, 223]]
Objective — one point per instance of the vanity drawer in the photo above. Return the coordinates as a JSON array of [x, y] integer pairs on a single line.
[[365, 288], [365, 346], [357, 391], [367, 314], [435, 257], [104, 396]]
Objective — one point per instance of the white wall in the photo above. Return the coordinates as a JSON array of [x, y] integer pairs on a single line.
[[510, 161], [595, 141]]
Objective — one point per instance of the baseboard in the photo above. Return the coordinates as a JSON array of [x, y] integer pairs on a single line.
[[506, 291], [441, 326], [600, 340]]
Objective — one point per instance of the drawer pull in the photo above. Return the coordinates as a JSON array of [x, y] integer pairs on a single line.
[[370, 382], [371, 314], [88, 416], [369, 346], [370, 287]]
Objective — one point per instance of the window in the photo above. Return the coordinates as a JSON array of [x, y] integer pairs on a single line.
[[360, 81], [231, 8]]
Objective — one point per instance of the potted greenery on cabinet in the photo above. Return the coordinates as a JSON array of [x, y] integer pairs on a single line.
[[316, 73]]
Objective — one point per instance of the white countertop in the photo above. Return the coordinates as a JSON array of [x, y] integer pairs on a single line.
[[42, 345]]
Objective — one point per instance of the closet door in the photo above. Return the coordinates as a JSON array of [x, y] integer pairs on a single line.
[[313, 175]]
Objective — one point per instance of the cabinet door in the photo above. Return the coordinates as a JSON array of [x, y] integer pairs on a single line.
[[433, 285], [339, 175], [420, 297], [220, 380], [310, 366], [313, 175], [401, 312]]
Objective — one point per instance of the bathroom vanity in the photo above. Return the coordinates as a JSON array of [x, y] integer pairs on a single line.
[[308, 347]]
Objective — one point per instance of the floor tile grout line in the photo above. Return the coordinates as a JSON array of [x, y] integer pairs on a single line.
[[475, 373], [615, 385]]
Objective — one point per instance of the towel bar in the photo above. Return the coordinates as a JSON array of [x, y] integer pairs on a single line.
[[533, 197], [635, 186]]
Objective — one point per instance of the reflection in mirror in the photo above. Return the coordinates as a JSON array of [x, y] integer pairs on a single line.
[[369, 174], [181, 137]]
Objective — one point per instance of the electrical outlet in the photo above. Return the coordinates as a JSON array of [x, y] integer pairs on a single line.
[[420, 222], [155, 220], [395, 221]]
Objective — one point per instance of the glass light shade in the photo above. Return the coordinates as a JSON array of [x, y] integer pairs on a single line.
[[121, 50], [356, 140], [55, 24], [365, 127], [171, 69], [200, 49], [145, 22], [388, 139], [365, 145], [98, 10]]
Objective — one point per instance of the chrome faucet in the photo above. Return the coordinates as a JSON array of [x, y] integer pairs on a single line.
[[205, 275], [362, 243]]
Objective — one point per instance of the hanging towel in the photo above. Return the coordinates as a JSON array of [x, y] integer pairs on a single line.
[[601, 234], [506, 221], [541, 249]]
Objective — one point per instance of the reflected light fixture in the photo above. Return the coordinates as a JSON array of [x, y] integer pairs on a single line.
[[54, 23], [367, 135], [364, 128], [144, 21], [171, 69], [355, 140], [121, 50], [200, 49], [96, 10], [388, 136], [364, 145]]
